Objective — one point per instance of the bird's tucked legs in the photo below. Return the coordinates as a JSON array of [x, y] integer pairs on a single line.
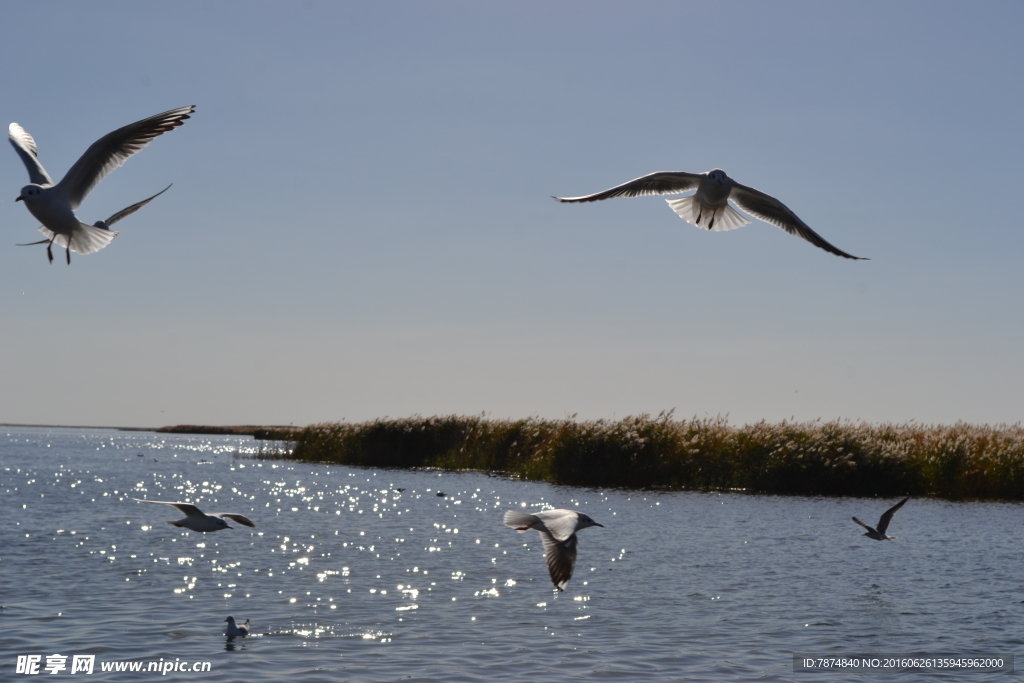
[[49, 250], [68, 255], [712, 223]]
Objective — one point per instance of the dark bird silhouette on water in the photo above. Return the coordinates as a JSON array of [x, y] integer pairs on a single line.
[[883, 523], [234, 630]]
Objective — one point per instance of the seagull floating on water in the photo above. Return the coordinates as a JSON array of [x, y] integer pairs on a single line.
[[236, 631], [883, 523], [558, 531], [54, 204], [710, 204], [197, 520]]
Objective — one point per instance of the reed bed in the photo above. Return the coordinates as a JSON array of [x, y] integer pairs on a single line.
[[659, 452]]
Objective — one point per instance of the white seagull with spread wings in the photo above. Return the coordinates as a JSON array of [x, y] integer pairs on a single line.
[[54, 204], [558, 531], [710, 204], [197, 520]]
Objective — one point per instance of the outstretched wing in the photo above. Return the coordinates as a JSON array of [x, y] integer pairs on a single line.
[[113, 149], [864, 525], [26, 148], [561, 558], [883, 521], [234, 516], [771, 210], [664, 182], [187, 509], [124, 213]]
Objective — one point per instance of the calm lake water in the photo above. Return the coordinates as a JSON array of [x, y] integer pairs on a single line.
[[347, 579]]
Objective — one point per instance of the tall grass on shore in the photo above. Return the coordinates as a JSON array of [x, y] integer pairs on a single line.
[[809, 458]]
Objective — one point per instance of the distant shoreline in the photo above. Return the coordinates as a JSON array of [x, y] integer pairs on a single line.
[[273, 433], [840, 457], [957, 462], [49, 426]]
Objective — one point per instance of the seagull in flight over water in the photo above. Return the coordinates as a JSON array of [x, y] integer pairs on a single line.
[[883, 523], [558, 531], [54, 204], [197, 520], [709, 206]]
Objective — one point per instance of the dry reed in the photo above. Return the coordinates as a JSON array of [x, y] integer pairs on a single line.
[[808, 458]]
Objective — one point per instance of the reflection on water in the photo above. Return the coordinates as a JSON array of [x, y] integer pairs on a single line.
[[370, 575]]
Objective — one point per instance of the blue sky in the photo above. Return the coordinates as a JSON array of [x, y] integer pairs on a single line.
[[361, 222]]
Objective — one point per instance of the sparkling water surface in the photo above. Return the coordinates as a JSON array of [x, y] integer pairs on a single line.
[[348, 578]]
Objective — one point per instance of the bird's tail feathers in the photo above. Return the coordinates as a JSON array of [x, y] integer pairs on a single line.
[[85, 239], [520, 521], [88, 238], [689, 209]]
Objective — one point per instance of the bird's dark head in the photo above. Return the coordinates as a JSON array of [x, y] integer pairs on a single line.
[[585, 521], [717, 175]]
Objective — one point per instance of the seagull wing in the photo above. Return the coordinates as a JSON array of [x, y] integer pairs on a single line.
[[664, 182], [124, 213], [187, 509], [883, 521], [26, 148], [864, 525], [113, 149], [771, 210], [234, 516], [561, 558]]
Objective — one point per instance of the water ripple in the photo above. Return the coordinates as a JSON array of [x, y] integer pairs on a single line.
[[370, 575]]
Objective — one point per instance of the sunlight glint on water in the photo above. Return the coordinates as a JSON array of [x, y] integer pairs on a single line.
[[345, 577]]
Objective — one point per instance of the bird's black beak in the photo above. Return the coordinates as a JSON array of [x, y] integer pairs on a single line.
[[19, 199], [600, 525]]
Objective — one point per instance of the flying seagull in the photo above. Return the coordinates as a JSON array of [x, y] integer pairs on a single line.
[[558, 531], [234, 630], [197, 520], [709, 207], [883, 523], [54, 204]]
